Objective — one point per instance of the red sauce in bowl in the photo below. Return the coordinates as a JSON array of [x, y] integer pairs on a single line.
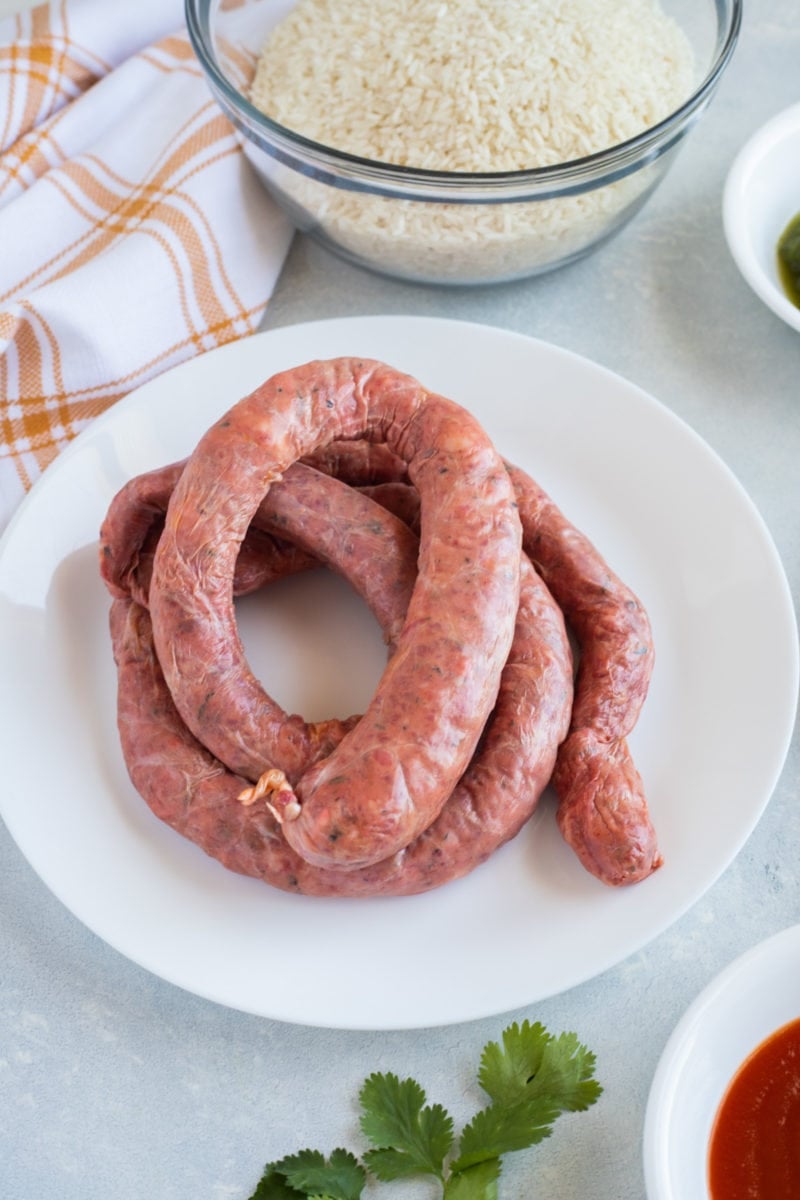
[[755, 1141]]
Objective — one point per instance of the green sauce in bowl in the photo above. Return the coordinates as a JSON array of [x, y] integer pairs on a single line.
[[789, 260]]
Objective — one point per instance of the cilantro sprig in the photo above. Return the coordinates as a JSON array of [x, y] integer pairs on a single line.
[[531, 1077]]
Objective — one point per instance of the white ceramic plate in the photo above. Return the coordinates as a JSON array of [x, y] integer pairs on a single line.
[[668, 516], [749, 1000], [761, 196]]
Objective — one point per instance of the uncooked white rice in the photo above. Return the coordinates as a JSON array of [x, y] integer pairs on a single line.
[[470, 85]]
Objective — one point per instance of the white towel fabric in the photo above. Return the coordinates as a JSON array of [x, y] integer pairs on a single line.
[[133, 232]]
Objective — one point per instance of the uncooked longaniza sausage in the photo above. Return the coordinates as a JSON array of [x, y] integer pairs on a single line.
[[390, 776], [602, 813], [365, 543], [602, 810], [195, 794]]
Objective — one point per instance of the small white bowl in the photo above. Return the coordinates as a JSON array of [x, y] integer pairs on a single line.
[[756, 995], [761, 196]]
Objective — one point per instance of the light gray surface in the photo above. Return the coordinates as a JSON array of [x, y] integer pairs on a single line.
[[113, 1083]]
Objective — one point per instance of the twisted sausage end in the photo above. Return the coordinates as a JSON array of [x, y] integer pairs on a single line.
[[602, 811], [273, 787]]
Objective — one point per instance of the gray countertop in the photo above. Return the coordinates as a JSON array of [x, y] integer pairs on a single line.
[[115, 1083]]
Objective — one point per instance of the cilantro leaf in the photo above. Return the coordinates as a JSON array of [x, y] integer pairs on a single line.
[[530, 1077], [501, 1129], [474, 1183], [531, 1063], [307, 1173], [566, 1073], [386, 1164], [408, 1136], [273, 1186], [505, 1071]]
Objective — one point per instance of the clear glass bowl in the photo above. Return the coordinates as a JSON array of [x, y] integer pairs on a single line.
[[450, 227]]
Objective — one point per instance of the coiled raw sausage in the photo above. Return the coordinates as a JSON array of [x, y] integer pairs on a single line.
[[390, 776], [372, 545], [195, 794], [602, 811]]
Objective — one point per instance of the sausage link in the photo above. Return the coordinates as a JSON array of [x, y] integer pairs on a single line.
[[602, 810], [133, 525], [359, 463], [602, 807], [366, 799], [365, 543], [186, 787], [135, 520]]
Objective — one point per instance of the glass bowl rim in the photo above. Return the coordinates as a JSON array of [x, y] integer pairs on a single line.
[[618, 160]]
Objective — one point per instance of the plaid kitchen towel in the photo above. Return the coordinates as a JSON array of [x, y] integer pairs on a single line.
[[133, 232]]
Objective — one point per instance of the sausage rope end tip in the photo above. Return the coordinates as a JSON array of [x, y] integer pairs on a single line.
[[273, 786], [602, 811]]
